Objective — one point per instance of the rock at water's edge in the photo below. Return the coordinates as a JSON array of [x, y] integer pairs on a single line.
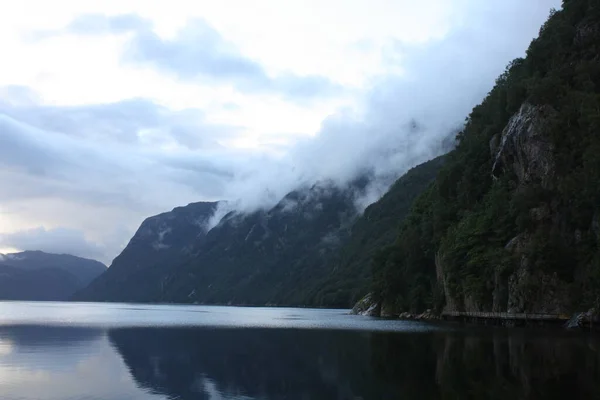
[[366, 306], [579, 320]]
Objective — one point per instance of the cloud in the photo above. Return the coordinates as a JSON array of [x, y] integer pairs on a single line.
[[59, 241], [199, 52], [93, 167], [127, 121], [108, 172], [78, 173], [97, 24], [408, 117]]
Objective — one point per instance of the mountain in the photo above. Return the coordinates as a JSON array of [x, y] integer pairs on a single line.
[[247, 258], [512, 221], [348, 276], [34, 275], [160, 244], [269, 256], [312, 248]]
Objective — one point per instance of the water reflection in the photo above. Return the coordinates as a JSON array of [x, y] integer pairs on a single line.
[[38, 362], [502, 364], [301, 364], [58, 363], [32, 336], [257, 363]]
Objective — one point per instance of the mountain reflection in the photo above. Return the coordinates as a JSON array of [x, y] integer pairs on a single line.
[[40, 362], [45, 347], [504, 364], [25, 336], [258, 363], [316, 364]]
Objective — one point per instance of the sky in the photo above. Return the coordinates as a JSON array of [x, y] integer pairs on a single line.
[[114, 111]]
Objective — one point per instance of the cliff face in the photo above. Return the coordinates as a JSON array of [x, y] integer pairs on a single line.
[[527, 152], [511, 221], [524, 151], [524, 148]]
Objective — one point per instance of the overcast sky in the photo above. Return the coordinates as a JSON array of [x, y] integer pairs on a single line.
[[114, 111]]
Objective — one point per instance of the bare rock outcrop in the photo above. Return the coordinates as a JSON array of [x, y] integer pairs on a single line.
[[524, 147], [583, 319], [366, 306]]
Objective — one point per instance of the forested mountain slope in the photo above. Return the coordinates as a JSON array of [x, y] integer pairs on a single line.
[[268, 256], [159, 245], [512, 221], [312, 248], [263, 257], [348, 276]]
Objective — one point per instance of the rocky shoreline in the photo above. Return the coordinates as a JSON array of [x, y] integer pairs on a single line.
[[369, 307]]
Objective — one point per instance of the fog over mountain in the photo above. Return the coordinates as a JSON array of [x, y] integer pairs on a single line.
[[78, 174]]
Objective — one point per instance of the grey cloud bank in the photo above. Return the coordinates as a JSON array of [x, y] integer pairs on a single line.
[[96, 167]]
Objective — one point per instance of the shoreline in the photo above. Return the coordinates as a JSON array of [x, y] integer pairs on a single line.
[[581, 321], [586, 320]]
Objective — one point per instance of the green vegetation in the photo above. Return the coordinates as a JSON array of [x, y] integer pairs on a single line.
[[310, 249], [543, 192], [348, 274]]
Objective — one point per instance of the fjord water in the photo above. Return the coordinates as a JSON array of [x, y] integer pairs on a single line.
[[79, 351]]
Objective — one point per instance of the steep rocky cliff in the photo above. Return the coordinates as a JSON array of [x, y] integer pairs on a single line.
[[524, 147], [511, 222], [525, 152]]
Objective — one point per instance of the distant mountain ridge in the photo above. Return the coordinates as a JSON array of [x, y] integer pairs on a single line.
[[35, 275]]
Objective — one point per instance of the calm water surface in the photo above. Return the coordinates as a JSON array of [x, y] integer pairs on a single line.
[[76, 351]]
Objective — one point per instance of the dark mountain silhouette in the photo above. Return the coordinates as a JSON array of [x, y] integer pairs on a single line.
[[297, 253], [35, 275]]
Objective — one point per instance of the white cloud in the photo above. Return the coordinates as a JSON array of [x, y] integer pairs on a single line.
[[92, 144]]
